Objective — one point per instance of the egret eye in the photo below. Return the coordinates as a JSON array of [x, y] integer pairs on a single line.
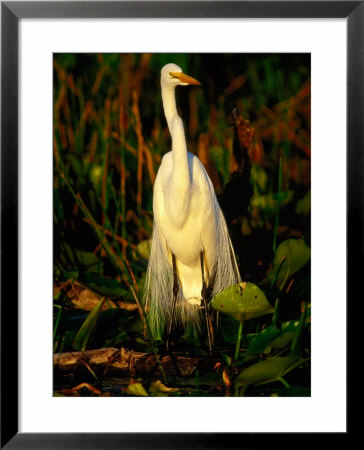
[[171, 74]]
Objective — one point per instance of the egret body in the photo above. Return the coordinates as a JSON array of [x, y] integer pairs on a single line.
[[191, 249]]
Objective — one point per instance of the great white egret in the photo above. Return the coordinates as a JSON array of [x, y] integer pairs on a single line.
[[191, 249]]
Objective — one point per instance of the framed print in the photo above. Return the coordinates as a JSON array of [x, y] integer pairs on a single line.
[[152, 295]]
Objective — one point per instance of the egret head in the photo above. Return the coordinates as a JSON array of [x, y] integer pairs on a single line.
[[172, 75]]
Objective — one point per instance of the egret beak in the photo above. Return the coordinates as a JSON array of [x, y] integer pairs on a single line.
[[184, 78]]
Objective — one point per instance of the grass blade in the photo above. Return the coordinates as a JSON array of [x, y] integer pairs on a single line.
[[88, 326]]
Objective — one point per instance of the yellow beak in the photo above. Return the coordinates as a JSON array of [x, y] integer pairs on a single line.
[[185, 78]]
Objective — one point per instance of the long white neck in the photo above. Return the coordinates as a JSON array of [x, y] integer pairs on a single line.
[[175, 125], [169, 104], [180, 181], [180, 171]]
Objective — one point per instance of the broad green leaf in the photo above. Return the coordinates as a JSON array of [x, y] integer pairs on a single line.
[[87, 327], [295, 254], [273, 338], [260, 342], [282, 340], [269, 370], [137, 389], [242, 301]]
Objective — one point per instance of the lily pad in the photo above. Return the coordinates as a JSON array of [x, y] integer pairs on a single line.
[[242, 301]]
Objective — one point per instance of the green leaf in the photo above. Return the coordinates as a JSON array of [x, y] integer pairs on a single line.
[[144, 248], [228, 327], [137, 389], [259, 179], [158, 389], [269, 202], [268, 370], [260, 342], [76, 165], [297, 340], [221, 159], [226, 359], [87, 259], [283, 340], [87, 327], [242, 301], [116, 340], [295, 254], [96, 176], [303, 206], [108, 287], [273, 338]]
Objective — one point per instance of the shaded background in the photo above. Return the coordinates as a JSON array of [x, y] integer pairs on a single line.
[[109, 137]]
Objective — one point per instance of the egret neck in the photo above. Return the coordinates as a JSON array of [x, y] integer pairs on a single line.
[[179, 195], [169, 103]]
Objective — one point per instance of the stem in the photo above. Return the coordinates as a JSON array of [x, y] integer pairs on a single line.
[[117, 262], [277, 273], [275, 320], [56, 324], [238, 341], [93, 374], [284, 382], [122, 194], [122, 168], [106, 133], [138, 132], [278, 205]]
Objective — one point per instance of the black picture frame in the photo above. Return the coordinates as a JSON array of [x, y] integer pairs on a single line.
[[11, 12]]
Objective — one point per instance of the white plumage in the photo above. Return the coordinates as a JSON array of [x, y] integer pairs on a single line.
[[187, 221]]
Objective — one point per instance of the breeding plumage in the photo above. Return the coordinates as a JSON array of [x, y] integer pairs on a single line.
[[190, 238]]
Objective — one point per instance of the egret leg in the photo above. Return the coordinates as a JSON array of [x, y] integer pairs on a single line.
[[204, 295], [174, 301]]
